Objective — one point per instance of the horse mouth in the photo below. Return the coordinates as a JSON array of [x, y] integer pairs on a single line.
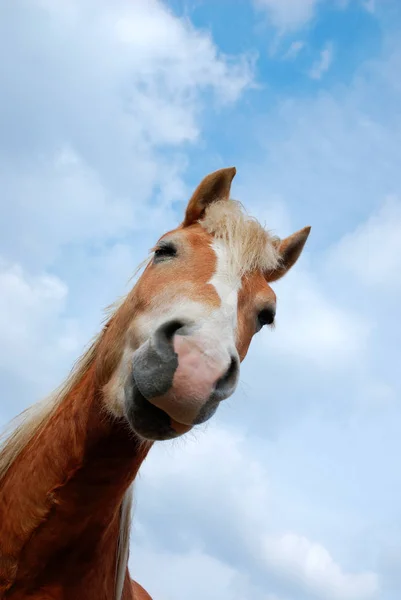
[[149, 421]]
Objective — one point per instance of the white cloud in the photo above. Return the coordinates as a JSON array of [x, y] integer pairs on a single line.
[[314, 329], [310, 564], [194, 574], [323, 63], [62, 200], [35, 336], [182, 575], [333, 157], [372, 252], [174, 460], [369, 5], [288, 14], [294, 49], [215, 499], [117, 84]]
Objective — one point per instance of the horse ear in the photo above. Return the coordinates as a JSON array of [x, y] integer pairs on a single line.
[[215, 186], [289, 250]]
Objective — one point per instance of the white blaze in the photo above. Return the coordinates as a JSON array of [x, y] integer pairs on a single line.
[[227, 282]]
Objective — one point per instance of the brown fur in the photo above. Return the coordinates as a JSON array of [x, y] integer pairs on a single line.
[[56, 540], [254, 291], [139, 592]]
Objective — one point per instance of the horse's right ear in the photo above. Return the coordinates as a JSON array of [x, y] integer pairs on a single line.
[[215, 186]]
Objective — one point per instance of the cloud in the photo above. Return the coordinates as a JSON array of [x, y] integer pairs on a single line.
[[322, 65], [293, 50], [182, 575], [371, 254], [288, 14], [369, 5], [311, 564], [318, 156], [231, 531], [170, 583], [61, 200], [119, 91], [313, 328], [36, 338]]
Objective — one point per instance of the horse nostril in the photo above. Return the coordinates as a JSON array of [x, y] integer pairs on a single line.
[[165, 334], [169, 329], [226, 384]]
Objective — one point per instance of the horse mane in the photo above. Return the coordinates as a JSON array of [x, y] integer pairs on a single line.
[[123, 541], [22, 429]]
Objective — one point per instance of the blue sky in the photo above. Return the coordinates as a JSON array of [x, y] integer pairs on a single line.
[[110, 114]]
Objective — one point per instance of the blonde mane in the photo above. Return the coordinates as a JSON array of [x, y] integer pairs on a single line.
[[251, 246], [21, 430]]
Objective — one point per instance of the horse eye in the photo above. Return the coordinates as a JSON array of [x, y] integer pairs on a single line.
[[164, 251], [266, 316]]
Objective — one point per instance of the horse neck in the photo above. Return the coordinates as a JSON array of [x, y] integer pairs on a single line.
[[63, 494]]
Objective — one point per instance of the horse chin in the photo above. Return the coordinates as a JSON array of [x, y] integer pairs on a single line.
[[147, 420]]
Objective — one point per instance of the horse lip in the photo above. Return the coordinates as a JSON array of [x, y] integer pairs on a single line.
[[147, 420], [138, 394]]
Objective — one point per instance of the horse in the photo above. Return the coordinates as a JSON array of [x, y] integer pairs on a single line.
[[169, 353]]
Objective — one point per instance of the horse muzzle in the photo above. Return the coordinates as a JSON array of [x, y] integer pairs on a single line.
[[179, 377]]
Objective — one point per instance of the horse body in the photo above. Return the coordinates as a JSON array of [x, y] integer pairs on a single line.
[[166, 358]]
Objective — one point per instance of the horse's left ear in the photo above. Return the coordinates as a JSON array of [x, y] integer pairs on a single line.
[[215, 186], [289, 250]]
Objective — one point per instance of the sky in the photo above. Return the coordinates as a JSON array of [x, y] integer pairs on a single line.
[[110, 115]]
